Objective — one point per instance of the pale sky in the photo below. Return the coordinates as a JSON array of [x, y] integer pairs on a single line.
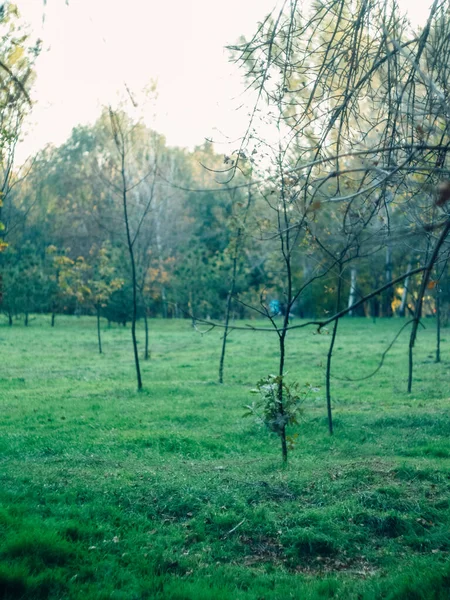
[[92, 47]]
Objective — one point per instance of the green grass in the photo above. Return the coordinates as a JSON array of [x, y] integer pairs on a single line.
[[171, 494]]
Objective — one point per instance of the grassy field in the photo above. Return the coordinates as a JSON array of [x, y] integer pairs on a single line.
[[171, 494]]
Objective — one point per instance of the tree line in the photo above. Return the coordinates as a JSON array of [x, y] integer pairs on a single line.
[[67, 247]]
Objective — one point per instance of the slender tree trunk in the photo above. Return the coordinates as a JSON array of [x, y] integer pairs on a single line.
[[146, 352], [133, 271], [133, 324], [374, 309], [389, 293], [120, 143], [284, 451], [228, 306], [160, 258], [99, 335], [402, 309], [133, 277], [25, 321], [330, 353], [53, 318], [225, 334], [352, 294], [438, 323], [307, 310], [164, 302], [10, 319], [418, 308], [191, 308], [286, 251]]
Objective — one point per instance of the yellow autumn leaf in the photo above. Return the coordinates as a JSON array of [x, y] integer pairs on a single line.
[[16, 55]]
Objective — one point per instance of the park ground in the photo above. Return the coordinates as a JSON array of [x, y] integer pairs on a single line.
[[171, 494]]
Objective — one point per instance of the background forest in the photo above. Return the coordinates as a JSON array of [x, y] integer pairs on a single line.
[[67, 250]]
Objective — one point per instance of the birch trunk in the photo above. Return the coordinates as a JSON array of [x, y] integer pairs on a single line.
[[402, 309], [99, 334], [389, 293], [352, 294]]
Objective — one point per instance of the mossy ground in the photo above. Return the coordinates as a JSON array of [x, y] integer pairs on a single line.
[[170, 493]]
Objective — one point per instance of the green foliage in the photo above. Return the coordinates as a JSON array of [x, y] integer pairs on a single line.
[[16, 76], [279, 404]]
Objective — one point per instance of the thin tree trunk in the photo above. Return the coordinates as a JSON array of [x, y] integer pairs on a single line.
[[133, 278], [225, 334], [160, 259], [99, 335], [306, 310], [228, 306], [389, 293], [330, 354], [121, 148], [164, 302], [133, 324], [284, 451], [133, 267], [374, 309], [438, 323], [352, 295], [25, 322], [286, 251], [191, 308], [402, 309], [146, 352], [418, 309], [53, 318], [10, 319]]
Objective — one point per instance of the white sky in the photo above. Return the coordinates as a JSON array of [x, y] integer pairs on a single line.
[[91, 47]]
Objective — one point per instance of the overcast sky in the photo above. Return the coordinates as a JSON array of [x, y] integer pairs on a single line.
[[93, 47]]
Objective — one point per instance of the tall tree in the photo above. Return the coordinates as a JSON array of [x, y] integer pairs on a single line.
[[17, 58], [128, 183]]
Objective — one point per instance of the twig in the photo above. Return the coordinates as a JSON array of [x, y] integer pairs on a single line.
[[234, 528]]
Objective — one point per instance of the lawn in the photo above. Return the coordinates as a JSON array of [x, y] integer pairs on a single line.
[[170, 493]]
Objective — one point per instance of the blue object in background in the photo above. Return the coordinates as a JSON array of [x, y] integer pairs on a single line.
[[275, 307]]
